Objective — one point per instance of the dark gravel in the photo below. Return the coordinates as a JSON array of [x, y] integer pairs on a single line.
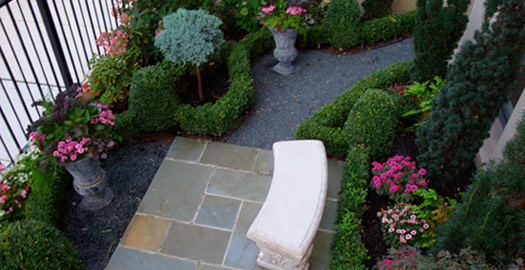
[[283, 102], [130, 171]]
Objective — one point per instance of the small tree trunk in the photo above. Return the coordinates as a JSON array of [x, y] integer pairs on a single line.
[[201, 96]]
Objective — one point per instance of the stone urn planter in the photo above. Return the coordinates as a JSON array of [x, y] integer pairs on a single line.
[[285, 50], [90, 182]]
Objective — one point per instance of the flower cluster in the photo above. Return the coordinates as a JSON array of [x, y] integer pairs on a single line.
[[114, 43], [34, 135], [400, 256], [400, 90], [401, 225], [398, 177], [14, 190], [280, 17], [104, 117], [71, 149]]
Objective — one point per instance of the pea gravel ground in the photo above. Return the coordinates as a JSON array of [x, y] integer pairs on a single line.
[[283, 102]]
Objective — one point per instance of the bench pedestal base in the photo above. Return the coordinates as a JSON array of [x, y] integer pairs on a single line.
[[273, 260]]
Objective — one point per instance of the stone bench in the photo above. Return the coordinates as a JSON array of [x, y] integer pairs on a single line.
[[289, 218]]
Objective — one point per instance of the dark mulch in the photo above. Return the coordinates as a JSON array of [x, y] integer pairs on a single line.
[[130, 170]]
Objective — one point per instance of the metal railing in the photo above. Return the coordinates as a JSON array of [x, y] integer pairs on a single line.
[[45, 46]]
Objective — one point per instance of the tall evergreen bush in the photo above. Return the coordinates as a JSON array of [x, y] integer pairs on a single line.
[[479, 82], [376, 8], [491, 215], [436, 33]]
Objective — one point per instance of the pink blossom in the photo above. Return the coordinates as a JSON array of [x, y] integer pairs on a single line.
[[295, 10], [268, 10], [408, 237], [422, 171], [426, 226], [23, 193], [422, 183]]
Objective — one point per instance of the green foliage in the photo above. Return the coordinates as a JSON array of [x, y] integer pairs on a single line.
[[153, 96], [376, 8], [225, 114], [242, 13], [423, 93], [372, 122], [190, 36], [491, 215], [411, 258], [479, 82], [395, 25], [437, 30], [327, 124], [30, 244], [342, 23], [110, 77], [348, 251]]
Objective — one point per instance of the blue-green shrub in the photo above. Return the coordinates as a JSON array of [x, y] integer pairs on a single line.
[[372, 122]]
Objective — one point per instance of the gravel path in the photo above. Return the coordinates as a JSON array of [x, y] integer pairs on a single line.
[[283, 102]]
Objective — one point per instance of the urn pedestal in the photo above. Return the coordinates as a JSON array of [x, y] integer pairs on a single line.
[[90, 181], [285, 50]]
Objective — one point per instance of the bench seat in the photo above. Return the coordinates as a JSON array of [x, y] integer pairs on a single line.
[[287, 223]]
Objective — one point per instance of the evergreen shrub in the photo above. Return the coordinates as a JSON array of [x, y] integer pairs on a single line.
[[30, 244], [348, 251], [342, 23], [376, 8], [372, 122], [491, 214], [437, 30], [327, 123], [480, 81], [384, 28]]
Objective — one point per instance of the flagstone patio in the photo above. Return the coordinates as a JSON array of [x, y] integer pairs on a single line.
[[199, 206]]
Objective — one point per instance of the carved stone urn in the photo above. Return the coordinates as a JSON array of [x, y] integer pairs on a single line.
[[285, 50], [90, 182]]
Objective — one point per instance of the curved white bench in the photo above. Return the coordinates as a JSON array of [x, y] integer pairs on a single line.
[[289, 218]]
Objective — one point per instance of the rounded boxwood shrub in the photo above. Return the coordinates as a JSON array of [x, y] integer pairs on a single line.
[[30, 244], [342, 23], [153, 98], [372, 122]]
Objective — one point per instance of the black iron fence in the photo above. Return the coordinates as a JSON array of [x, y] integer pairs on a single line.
[[45, 46]]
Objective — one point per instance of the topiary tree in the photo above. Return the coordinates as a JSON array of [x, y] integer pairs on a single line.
[[30, 244], [342, 23], [190, 36], [479, 81], [491, 215], [436, 33], [376, 8]]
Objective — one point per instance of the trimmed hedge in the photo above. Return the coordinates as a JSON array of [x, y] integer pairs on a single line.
[[368, 32], [226, 113], [376, 8], [342, 22], [31, 244], [327, 124], [372, 122], [348, 251]]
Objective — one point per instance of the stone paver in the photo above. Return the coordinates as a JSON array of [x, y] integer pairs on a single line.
[[196, 243], [145, 232], [199, 206], [218, 212], [229, 156], [129, 259], [176, 190], [240, 185], [186, 149]]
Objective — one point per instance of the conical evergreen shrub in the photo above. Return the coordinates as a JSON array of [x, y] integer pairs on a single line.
[[437, 31], [480, 81]]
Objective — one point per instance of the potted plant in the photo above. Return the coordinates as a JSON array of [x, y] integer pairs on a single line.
[[76, 132], [284, 22]]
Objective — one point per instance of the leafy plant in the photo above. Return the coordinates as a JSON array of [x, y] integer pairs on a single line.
[[435, 209], [422, 93], [242, 13], [398, 178], [402, 226], [72, 127], [437, 31], [190, 36]]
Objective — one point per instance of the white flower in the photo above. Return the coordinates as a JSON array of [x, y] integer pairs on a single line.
[[2, 212]]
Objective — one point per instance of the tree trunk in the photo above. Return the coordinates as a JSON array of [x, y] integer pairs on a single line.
[[201, 96]]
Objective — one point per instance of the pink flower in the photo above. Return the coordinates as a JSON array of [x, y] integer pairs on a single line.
[[394, 188], [426, 226], [422, 171], [268, 10], [413, 232], [295, 10], [408, 237], [422, 183]]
